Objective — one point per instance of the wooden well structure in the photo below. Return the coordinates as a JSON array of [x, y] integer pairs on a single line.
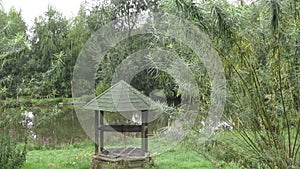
[[120, 97]]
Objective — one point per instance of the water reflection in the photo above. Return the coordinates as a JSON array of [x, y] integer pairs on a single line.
[[46, 126], [55, 126], [62, 127]]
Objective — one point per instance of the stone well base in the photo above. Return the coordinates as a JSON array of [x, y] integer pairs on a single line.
[[115, 159]]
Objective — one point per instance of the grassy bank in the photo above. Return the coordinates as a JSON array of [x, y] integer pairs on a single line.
[[79, 157], [30, 102]]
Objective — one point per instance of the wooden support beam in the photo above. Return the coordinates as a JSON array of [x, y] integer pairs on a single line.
[[144, 132], [96, 132], [121, 128], [101, 131]]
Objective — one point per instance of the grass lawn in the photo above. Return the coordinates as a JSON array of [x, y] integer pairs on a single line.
[[79, 157], [62, 158], [177, 158]]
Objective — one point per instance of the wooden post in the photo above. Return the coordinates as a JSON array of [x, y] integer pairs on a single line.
[[96, 132], [144, 132], [101, 132]]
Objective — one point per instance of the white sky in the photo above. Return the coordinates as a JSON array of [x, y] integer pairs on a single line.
[[33, 8]]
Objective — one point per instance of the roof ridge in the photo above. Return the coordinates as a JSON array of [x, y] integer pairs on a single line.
[[121, 81], [106, 91], [107, 102]]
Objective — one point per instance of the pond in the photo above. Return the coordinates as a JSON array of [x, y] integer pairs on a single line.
[[62, 128], [56, 126], [53, 125]]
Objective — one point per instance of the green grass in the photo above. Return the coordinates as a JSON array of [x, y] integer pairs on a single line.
[[27, 101], [65, 158], [79, 157], [178, 158]]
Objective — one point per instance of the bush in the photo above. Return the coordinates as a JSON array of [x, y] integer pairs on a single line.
[[12, 153]]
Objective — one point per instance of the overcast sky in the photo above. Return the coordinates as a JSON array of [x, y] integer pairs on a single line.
[[33, 8]]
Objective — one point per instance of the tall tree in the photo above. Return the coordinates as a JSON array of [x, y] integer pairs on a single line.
[[50, 31], [13, 43], [48, 53]]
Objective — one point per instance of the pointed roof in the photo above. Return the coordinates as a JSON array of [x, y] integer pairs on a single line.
[[120, 97]]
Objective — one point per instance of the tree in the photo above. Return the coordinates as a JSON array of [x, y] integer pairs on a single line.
[[258, 46], [48, 55], [146, 80], [50, 31], [13, 43]]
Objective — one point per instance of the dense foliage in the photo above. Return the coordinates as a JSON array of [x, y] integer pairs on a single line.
[[11, 154], [259, 45]]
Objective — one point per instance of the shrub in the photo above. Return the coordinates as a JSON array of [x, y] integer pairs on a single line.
[[12, 153], [13, 141]]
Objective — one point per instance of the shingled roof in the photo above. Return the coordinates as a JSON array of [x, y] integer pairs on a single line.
[[120, 97]]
